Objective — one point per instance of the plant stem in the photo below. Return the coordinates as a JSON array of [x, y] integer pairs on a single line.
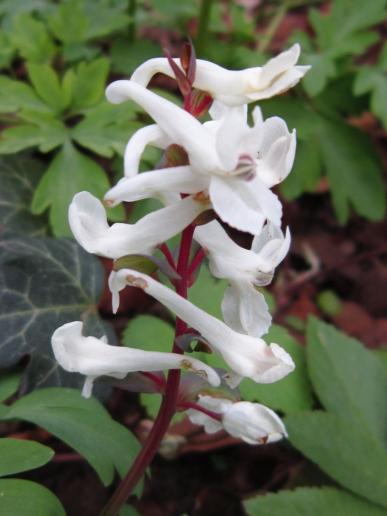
[[203, 23], [168, 405], [273, 25]]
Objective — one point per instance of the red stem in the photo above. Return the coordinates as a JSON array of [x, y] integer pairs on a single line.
[[197, 260], [168, 405], [168, 255], [196, 406]]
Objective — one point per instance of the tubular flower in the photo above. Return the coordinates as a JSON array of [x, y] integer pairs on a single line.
[[246, 356], [243, 307], [235, 163], [251, 422], [235, 87], [88, 222], [94, 357]]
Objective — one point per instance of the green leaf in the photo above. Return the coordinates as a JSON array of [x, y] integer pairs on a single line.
[[207, 293], [353, 169], [19, 176], [9, 383], [32, 39], [306, 501], [84, 425], [126, 56], [47, 134], [150, 333], [7, 49], [23, 498], [337, 363], [105, 17], [19, 455], [323, 69], [68, 23], [345, 451], [16, 95], [293, 393], [89, 84], [46, 82], [69, 172], [45, 283]]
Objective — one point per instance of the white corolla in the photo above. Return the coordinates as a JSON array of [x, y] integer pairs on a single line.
[[94, 357], [234, 163], [246, 356], [88, 222], [252, 422], [235, 87], [243, 307]]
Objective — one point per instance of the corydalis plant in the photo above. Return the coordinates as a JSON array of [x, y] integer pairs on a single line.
[[223, 167]]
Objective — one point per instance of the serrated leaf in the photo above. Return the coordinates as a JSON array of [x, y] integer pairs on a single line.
[[105, 17], [89, 84], [16, 95], [47, 134], [68, 23], [32, 39], [44, 284], [336, 364], [306, 171], [46, 82], [291, 394], [83, 424], [345, 451], [306, 501], [7, 49], [19, 455], [323, 69], [23, 498], [19, 176], [69, 172]]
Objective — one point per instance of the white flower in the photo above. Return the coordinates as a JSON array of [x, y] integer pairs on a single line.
[[251, 422], [94, 357], [243, 307], [88, 222], [235, 87], [246, 356], [235, 163]]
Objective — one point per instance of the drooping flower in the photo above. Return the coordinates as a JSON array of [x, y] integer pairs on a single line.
[[94, 357], [235, 163], [244, 308], [247, 356], [252, 422], [235, 87], [88, 222]]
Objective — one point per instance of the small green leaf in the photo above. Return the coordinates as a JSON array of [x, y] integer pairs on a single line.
[[46, 82], [306, 501], [83, 424], [89, 83], [150, 333], [7, 49], [32, 39], [344, 449], [9, 383], [68, 23], [18, 455], [136, 262], [24, 498], [16, 95], [291, 394], [323, 69], [69, 172], [207, 293], [329, 302], [127, 56]]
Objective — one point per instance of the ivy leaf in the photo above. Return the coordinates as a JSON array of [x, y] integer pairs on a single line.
[[32, 39], [69, 172], [291, 394], [318, 501], [23, 498], [20, 455], [83, 424], [19, 176], [44, 284]]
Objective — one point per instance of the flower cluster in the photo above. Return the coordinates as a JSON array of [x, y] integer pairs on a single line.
[[226, 167]]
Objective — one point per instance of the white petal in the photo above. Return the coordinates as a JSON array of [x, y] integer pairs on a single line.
[[92, 357], [156, 183], [247, 356], [88, 222], [149, 135], [181, 127], [283, 83], [245, 310], [271, 247], [278, 65], [211, 426], [253, 423]]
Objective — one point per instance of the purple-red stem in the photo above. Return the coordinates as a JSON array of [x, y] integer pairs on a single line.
[[196, 406], [169, 402], [168, 255], [196, 261]]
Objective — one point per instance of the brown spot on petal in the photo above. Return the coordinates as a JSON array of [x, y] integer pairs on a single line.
[[108, 203], [136, 282], [202, 197]]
